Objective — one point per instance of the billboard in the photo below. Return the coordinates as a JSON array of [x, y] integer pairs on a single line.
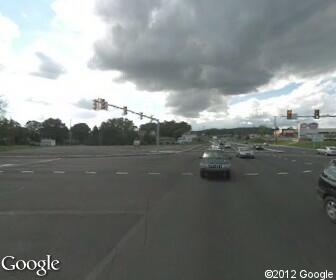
[[307, 130]]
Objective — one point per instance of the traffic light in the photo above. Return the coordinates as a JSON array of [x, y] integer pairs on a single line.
[[141, 116], [289, 114], [316, 114], [104, 105], [125, 110], [95, 105]]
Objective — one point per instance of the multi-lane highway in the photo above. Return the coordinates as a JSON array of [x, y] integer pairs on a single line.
[[121, 213]]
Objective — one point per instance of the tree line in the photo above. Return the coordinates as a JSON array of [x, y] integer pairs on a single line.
[[118, 131]]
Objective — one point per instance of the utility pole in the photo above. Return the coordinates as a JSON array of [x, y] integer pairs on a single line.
[[70, 134], [275, 130]]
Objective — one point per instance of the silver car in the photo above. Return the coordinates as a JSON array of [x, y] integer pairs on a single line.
[[245, 152], [215, 162]]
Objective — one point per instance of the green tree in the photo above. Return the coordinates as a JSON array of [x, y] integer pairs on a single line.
[[94, 136], [80, 133], [34, 131], [3, 106], [117, 132], [54, 129], [12, 133]]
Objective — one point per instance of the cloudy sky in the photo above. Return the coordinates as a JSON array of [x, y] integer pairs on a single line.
[[212, 63]]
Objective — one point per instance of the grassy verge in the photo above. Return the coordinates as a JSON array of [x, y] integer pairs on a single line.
[[308, 144], [14, 147]]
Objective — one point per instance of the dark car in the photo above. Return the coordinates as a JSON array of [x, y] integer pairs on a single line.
[[327, 190], [259, 147]]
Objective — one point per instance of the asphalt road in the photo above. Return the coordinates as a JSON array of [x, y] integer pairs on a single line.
[[152, 217]]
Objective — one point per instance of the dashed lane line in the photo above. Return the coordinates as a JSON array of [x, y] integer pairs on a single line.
[[90, 172], [121, 173], [58, 171], [27, 171], [251, 174], [187, 174], [7, 164], [307, 171], [282, 173], [293, 160], [153, 173], [308, 163]]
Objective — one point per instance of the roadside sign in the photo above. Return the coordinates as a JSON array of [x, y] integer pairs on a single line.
[[317, 138]]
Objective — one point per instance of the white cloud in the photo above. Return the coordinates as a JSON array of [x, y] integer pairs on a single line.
[[314, 94], [9, 32]]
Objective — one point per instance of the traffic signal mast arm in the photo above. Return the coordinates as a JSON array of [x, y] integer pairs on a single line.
[[133, 112]]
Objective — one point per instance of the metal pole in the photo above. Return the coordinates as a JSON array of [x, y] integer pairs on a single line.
[[157, 134], [70, 134], [275, 131]]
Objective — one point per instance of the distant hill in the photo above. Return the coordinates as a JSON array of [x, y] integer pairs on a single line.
[[236, 131]]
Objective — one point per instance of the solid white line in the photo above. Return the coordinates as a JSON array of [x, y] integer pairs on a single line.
[[306, 171], [282, 173], [90, 172], [59, 172], [153, 173], [121, 173], [187, 174], [27, 171], [66, 212], [251, 174]]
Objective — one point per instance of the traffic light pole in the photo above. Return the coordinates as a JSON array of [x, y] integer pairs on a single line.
[[101, 104]]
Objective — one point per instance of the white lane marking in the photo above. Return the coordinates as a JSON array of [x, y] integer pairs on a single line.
[[90, 172], [154, 173], [293, 160], [308, 163], [44, 160], [121, 173], [306, 171], [251, 174], [1, 171], [187, 173], [7, 164], [282, 173], [66, 212], [27, 171], [59, 172]]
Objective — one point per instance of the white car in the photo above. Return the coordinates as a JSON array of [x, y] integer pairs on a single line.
[[328, 151], [245, 152]]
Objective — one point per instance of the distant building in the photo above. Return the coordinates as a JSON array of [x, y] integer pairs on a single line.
[[47, 142], [186, 138]]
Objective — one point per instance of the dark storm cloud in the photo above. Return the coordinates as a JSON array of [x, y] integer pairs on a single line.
[[48, 68], [194, 48]]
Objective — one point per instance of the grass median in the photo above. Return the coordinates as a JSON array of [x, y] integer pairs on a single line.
[[308, 144], [5, 148]]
